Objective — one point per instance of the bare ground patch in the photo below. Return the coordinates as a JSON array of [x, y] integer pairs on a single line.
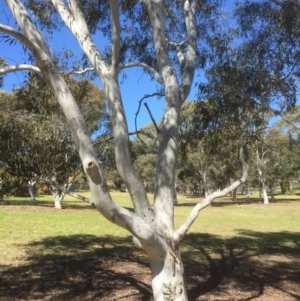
[[252, 266]]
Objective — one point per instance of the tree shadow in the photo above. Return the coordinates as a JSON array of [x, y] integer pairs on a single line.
[[77, 267], [243, 267], [224, 202], [86, 267], [47, 204]]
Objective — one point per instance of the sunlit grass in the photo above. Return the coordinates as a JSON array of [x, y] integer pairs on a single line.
[[39, 244], [22, 220]]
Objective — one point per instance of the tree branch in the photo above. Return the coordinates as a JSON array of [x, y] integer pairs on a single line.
[[290, 123], [151, 116], [190, 56], [79, 72], [76, 23], [142, 132], [167, 148], [179, 234], [21, 67], [17, 35], [151, 70], [139, 107], [114, 6]]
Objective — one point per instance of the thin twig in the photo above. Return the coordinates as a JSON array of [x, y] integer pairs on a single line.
[[146, 105], [139, 107]]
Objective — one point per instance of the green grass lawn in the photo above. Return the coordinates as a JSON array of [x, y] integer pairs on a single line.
[[34, 236]]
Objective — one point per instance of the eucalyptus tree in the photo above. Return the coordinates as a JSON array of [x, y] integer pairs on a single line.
[[270, 31], [167, 40], [31, 121]]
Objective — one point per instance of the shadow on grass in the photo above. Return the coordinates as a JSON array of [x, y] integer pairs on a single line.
[[46, 203], [86, 267], [246, 264], [240, 201]]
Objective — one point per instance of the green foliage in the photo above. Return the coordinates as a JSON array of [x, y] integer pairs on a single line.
[[144, 153], [2, 64], [12, 185], [206, 148], [31, 120], [271, 33], [136, 40]]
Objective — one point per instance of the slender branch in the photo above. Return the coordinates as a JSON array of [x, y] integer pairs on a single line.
[[74, 20], [151, 70], [290, 123], [142, 132], [176, 43], [17, 35], [21, 67], [179, 234], [79, 72], [139, 107], [100, 141], [151, 116]]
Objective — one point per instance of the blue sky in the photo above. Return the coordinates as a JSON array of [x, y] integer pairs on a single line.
[[133, 88]]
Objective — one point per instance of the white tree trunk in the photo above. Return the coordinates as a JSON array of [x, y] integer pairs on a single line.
[[204, 179], [31, 185], [263, 187], [168, 279], [58, 197]]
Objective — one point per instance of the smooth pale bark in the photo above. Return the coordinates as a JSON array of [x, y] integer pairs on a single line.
[[22, 67], [263, 187], [31, 185], [265, 194], [58, 198], [204, 180], [261, 174], [57, 193]]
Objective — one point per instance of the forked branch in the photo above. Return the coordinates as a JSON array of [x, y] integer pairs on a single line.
[[179, 234]]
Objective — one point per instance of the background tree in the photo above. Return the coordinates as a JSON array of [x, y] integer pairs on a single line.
[[32, 121], [144, 150]]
